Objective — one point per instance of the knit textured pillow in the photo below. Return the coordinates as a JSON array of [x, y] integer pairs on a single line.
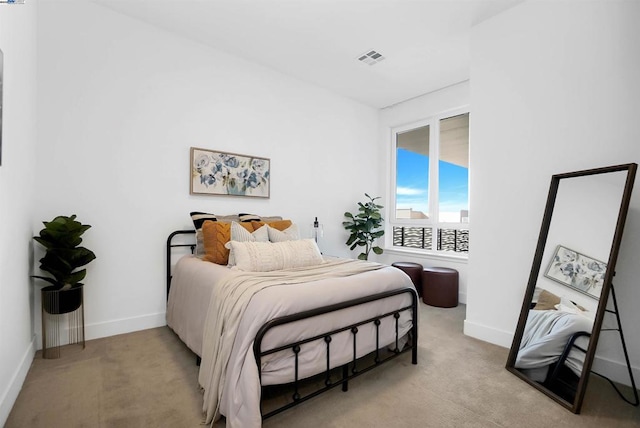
[[267, 256], [215, 235]]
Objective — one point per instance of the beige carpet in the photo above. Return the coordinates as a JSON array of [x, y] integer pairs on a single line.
[[149, 379]]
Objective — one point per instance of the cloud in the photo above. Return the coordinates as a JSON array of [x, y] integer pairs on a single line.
[[409, 191]]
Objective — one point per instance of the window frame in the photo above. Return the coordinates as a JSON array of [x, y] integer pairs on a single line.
[[433, 221]]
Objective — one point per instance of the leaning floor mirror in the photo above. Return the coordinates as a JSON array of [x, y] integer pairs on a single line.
[[570, 281]]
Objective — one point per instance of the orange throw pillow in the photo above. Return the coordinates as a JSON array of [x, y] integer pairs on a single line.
[[278, 224], [215, 235]]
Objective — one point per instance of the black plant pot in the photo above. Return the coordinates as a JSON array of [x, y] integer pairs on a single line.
[[57, 302]]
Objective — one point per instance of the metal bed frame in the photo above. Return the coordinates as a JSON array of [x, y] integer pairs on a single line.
[[352, 369]]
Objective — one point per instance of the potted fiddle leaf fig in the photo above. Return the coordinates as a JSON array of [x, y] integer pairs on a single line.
[[365, 227], [61, 237]]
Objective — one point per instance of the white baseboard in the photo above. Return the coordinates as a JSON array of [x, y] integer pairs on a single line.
[[488, 334], [115, 327], [462, 298], [126, 325], [10, 394], [615, 370]]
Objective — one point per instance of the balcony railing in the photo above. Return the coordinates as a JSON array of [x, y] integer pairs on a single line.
[[456, 240]]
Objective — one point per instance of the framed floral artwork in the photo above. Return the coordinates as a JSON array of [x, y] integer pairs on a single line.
[[222, 173], [577, 271]]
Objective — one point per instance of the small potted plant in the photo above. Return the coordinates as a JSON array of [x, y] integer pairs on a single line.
[[365, 227], [64, 255]]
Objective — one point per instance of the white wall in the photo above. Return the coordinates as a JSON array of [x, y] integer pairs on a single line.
[[414, 110], [121, 102], [554, 88], [17, 178]]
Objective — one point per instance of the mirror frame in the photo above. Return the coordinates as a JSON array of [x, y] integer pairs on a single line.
[[576, 405]]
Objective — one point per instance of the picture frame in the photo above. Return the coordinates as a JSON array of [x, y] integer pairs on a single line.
[[214, 172], [578, 271]]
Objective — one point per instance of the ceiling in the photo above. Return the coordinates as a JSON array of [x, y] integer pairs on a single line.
[[425, 43]]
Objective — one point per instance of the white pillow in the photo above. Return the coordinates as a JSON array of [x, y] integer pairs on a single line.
[[265, 256], [568, 306], [291, 233], [240, 234]]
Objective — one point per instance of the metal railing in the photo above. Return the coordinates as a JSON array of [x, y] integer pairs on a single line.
[[456, 240]]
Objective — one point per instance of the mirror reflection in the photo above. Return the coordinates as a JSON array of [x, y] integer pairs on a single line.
[[552, 343]]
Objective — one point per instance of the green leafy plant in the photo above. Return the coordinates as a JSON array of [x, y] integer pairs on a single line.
[[61, 238], [365, 227]]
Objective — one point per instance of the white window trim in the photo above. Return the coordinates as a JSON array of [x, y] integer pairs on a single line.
[[434, 128], [427, 254]]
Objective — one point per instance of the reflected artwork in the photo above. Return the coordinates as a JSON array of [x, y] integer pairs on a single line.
[[577, 271]]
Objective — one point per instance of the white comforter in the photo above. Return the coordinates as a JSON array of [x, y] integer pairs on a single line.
[[545, 337], [236, 395]]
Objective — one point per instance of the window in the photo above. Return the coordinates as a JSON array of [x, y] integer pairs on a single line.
[[430, 189]]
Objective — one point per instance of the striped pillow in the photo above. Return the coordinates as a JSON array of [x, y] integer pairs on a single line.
[[240, 234], [289, 234], [198, 219], [244, 218]]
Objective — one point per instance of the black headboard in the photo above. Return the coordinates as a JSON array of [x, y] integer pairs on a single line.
[[170, 246]]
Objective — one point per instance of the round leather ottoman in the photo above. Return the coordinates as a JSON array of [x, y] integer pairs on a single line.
[[440, 287], [414, 270]]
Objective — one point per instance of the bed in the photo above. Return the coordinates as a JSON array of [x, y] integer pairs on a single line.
[[554, 343], [255, 329]]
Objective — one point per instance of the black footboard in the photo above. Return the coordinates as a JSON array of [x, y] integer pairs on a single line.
[[351, 369]]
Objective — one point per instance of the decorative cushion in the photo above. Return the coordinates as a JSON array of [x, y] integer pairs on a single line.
[[215, 235], [198, 219], [276, 224], [270, 219], [265, 256], [289, 234], [249, 217], [240, 233], [546, 301]]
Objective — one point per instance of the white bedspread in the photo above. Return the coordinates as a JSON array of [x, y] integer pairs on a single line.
[[238, 395], [189, 297], [545, 337]]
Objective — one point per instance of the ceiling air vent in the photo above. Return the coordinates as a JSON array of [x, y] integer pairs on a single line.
[[371, 57]]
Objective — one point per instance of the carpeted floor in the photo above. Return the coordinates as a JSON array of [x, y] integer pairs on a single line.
[[149, 379]]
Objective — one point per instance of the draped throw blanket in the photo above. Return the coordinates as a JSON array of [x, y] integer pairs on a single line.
[[545, 337], [228, 303]]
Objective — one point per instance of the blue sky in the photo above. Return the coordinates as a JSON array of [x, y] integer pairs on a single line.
[[413, 181]]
